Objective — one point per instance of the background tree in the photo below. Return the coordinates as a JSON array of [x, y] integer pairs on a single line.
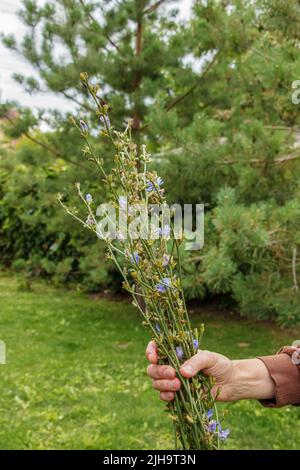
[[130, 49], [241, 156], [212, 97]]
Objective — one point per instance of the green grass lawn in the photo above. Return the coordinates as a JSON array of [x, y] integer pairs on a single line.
[[75, 375]]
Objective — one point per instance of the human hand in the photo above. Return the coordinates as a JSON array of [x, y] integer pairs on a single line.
[[234, 380]]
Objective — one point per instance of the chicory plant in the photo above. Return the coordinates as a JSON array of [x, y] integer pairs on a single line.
[[151, 271]]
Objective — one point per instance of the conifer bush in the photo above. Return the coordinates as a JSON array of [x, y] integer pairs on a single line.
[[211, 97]]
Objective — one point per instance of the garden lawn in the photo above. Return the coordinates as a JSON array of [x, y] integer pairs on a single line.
[[75, 375]]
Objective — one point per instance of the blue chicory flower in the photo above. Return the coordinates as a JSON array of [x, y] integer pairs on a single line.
[[89, 220], [212, 426], [151, 185], [161, 286], [157, 327], [166, 259], [155, 232], [223, 433], [121, 236], [179, 352], [135, 257], [88, 198], [165, 231], [195, 343], [83, 126], [123, 202]]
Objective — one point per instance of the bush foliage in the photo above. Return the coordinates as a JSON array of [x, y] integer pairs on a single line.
[[212, 96]]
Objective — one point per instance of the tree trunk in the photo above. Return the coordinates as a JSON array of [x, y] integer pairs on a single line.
[[136, 126]]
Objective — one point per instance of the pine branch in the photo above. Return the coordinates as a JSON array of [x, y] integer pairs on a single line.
[[53, 151], [95, 22], [153, 7], [196, 84], [276, 161], [39, 67], [64, 93], [287, 158], [45, 146], [71, 98], [281, 128]]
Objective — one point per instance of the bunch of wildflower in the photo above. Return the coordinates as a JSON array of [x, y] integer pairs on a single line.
[[152, 275]]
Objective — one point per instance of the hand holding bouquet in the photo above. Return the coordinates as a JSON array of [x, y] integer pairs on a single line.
[[147, 256]]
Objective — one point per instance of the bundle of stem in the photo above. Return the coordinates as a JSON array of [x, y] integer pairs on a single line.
[[151, 271]]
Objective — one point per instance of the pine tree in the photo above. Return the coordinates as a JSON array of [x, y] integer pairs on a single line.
[[213, 98], [129, 48], [240, 156]]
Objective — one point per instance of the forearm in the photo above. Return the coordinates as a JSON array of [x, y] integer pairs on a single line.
[[274, 380], [251, 379]]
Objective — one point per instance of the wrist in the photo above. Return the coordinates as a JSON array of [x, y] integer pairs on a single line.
[[251, 380]]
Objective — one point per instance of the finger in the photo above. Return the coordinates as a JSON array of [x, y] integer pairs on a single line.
[[167, 396], [161, 372], [167, 385], [151, 352], [203, 360]]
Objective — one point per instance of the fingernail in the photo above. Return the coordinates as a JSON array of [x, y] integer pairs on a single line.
[[188, 369]]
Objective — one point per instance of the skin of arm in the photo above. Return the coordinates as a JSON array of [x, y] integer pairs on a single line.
[[235, 379]]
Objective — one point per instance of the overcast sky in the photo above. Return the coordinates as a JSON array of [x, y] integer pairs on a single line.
[[11, 62]]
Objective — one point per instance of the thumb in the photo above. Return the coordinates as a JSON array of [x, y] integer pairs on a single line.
[[203, 360], [151, 352]]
